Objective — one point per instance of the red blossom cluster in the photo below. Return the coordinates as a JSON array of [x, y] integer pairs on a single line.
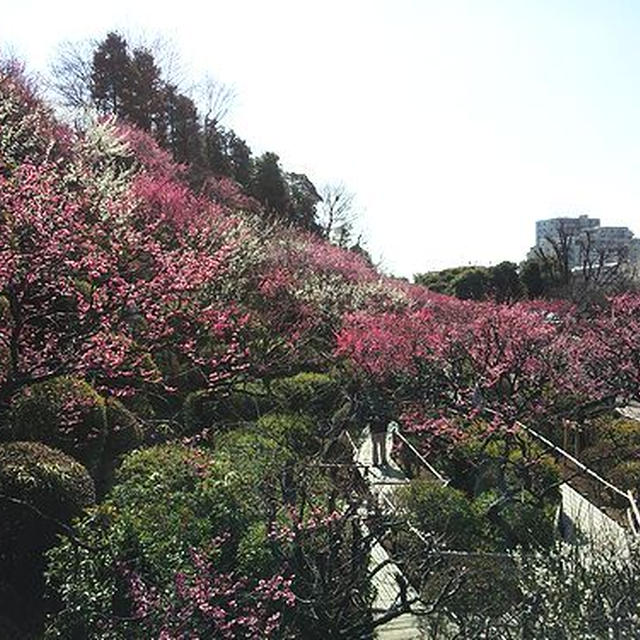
[[208, 603]]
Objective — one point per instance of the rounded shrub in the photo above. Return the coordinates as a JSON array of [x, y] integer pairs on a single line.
[[624, 433], [170, 501], [41, 490], [244, 403], [124, 430], [442, 510], [295, 431], [626, 475], [40, 487], [544, 478], [200, 410], [527, 524], [65, 413], [124, 433], [314, 393]]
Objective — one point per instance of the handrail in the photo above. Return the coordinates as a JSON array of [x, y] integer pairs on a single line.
[[396, 431], [634, 511], [628, 495], [575, 461]]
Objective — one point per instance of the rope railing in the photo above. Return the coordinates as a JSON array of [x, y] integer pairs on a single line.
[[633, 514], [395, 431], [393, 508]]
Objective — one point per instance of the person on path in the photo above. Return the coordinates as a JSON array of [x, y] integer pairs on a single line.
[[378, 416], [378, 430]]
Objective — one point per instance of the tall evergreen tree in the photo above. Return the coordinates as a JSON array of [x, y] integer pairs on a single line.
[[183, 127], [110, 78], [269, 186], [145, 108], [215, 149], [240, 159], [303, 199]]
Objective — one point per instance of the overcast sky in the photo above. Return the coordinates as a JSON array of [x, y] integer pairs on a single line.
[[457, 123]]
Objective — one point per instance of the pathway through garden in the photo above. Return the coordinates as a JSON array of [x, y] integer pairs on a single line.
[[383, 481]]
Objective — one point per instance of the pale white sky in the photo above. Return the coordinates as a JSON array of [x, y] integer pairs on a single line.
[[458, 123]]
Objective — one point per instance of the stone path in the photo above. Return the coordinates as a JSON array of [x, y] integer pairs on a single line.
[[383, 482]]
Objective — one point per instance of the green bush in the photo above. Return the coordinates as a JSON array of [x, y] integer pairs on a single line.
[[617, 440], [624, 436], [526, 523], [65, 413], [294, 431], [124, 433], [316, 394], [176, 490], [244, 403], [169, 500], [200, 411], [489, 589], [442, 510], [52, 487], [543, 478], [41, 490], [253, 555], [124, 430], [140, 405], [253, 451], [516, 520], [626, 475], [601, 456]]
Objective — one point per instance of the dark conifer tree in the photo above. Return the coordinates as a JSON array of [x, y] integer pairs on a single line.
[[303, 198], [183, 127], [269, 186], [215, 149], [110, 78], [146, 108], [240, 159]]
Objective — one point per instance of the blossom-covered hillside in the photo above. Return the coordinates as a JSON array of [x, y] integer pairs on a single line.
[[177, 371]]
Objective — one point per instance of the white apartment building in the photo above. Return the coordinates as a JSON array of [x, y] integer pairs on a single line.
[[583, 241]]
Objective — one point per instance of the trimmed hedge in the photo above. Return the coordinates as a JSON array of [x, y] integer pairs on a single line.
[[441, 510], [626, 475], [41, 490], [169, 500], [244, 403], [317, 394], [294, 431], [65, 413], [124, 430], [51, 485], [124, 433]]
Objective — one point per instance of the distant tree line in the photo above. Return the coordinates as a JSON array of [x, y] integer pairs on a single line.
[[127, 82], [542, 276], [501, 283]]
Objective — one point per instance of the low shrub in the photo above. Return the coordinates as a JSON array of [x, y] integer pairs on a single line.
[[626, 475], [244, 403], [444, 511], [516, 520], [170, 501], [294, 431], [124, 430], [316, 394], [41, 490], [65, 413], [51, 488], [124, 433]]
